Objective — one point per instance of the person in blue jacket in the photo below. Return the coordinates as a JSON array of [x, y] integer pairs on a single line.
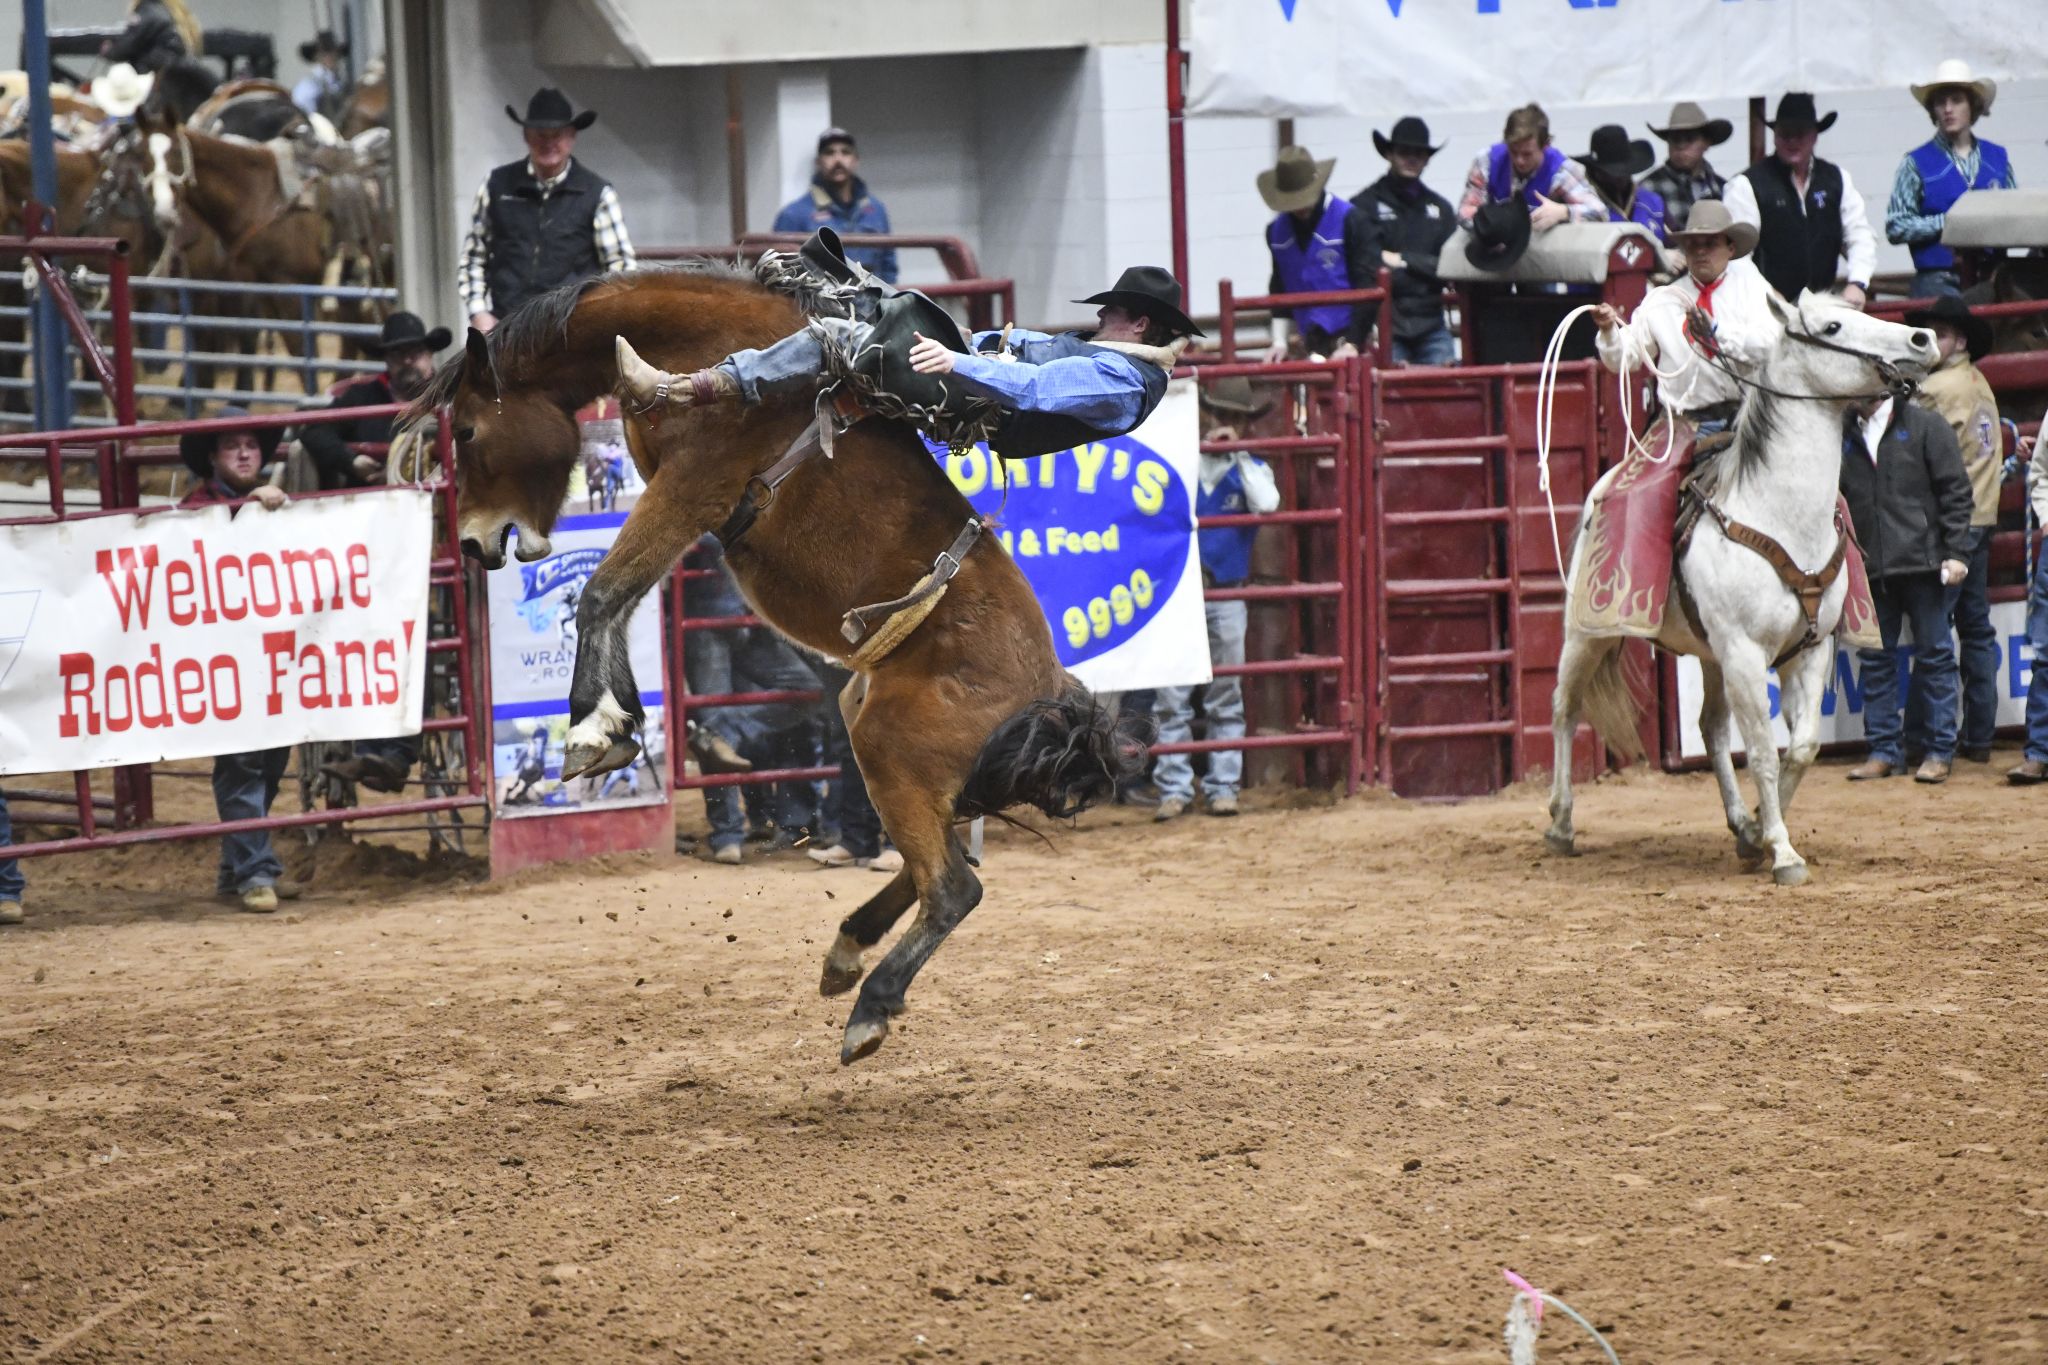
[[1230, 485], [1940, 171], [839, 199]]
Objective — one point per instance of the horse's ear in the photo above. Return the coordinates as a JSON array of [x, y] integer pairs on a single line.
[[1785, 313], [477, 351]]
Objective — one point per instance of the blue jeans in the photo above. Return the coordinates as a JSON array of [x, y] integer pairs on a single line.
[[2037, 683], [1222, 703], [12, 883], [1977, 641], [751, 659], [1932, 284], [1921, 599], [795, 362], [1431, 348], [244, 785]]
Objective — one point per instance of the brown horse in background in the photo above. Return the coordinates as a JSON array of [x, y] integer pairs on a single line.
[[970, 714]]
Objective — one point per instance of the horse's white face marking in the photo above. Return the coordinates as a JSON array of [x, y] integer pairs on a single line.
[[163, 194]]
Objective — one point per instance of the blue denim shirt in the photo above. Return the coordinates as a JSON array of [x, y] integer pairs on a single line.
[[865, 214]]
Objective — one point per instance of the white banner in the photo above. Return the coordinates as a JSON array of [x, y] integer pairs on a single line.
[[1106, 535], [1382, 58], [1841, 706], [533, 649], [134, 639]]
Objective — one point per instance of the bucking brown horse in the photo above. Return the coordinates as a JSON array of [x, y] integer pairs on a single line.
[[970, 714]]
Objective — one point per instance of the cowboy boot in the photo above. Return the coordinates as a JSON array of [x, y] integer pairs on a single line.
[[646, 390]]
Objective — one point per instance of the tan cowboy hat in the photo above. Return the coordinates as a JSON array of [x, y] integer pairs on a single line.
[[1296, 180], [1710, 218], [122, 90], [1687, 117], [1955, 73]]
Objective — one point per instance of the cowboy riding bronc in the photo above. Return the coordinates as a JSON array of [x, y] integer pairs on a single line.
[[1038, 393]]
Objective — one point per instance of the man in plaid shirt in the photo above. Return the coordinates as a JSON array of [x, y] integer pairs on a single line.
[[1523, 164], [545, 221]]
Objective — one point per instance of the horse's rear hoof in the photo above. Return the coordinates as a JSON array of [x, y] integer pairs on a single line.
[[1791, 874], [592, 760], [863, 1036], [1564, 845], [838, 980]]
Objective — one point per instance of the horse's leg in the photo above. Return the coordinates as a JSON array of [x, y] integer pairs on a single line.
[[604, 700], [914, 771], [1748, 689], [1714, 729], [1800, 684], [864, 928], [1575, 664]]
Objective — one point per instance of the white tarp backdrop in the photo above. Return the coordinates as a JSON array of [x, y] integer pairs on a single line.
[[1286, 58]]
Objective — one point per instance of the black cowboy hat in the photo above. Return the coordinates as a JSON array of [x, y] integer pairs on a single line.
[[1410, 134], [1796, 111], [1500, 234], [1153, 291], [1615, 153], [550, 108], [1233, 395], [324, 41], [405, 330], [1951, 310], [196, 448]]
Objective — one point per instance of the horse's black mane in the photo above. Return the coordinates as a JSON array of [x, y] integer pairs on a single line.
[[525, 340]]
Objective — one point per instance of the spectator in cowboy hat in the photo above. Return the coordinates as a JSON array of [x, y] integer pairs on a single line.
[[121, 90], [409, 351], [1524, 167], [542, 221], [230, 465], [1959, 392], [1941, 170], [320, 90], [1413, 222], [1806, 210], [839, 199], [1229, 485], [1318, 243], [1687, 177], [1613, 165]]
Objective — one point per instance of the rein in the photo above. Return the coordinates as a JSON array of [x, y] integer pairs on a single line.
[[1896, 385]]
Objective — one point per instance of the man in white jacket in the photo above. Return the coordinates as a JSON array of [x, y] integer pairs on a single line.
[[1719, 309]]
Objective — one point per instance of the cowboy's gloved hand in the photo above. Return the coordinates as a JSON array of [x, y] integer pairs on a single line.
[[1699, 330]]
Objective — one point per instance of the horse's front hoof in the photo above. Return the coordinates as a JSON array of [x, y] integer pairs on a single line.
[[1791, 874], [837, 979], [1564, 845], [863, 1036], [593, 759]]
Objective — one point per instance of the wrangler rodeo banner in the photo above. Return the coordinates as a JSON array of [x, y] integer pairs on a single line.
[[139, 638]]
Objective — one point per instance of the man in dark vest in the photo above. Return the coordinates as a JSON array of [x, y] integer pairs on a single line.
[[1941, 170], [1055, 392], [545, 221], [1319, 243], [1413, 222], [1807, 212]]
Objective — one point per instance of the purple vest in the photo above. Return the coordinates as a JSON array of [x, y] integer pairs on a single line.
[[1941, 185], [1500, 175], [1647, 210], [1318, 267]]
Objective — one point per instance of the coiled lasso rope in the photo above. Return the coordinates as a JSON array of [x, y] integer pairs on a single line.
[[1546, 401], [1525, 1317]]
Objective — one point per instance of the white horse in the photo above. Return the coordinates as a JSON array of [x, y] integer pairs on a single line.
[[1774, 488]]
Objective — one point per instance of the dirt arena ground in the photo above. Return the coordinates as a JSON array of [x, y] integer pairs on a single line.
[[1289, 1088]]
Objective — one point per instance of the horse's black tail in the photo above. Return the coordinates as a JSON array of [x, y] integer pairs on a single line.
[[1061, 754]]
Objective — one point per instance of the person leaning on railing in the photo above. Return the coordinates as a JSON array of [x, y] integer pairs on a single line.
[[1934, 176], [230, 469], [13, 886]]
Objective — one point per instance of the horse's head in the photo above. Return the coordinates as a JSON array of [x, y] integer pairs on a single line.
[[1847, 352], [162, 153], [515, 451]]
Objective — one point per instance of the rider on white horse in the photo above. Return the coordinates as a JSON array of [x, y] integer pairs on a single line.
[[1721, 303]]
